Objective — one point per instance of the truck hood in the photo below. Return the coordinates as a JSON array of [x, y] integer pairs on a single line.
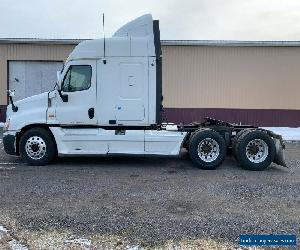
[[32, 100], [31, 110]]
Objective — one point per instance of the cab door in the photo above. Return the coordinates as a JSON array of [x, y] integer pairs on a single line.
[[79, 88]]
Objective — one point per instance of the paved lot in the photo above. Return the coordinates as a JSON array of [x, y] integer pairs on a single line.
[[137, 203]]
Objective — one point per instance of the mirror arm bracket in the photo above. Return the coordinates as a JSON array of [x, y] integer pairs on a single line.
[[65, 98], [14, 108]]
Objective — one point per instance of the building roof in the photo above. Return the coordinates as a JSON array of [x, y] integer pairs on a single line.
[[40, 41], [164, 42], [229, 43]]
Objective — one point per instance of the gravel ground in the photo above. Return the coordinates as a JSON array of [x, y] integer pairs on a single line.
[[133, 203]]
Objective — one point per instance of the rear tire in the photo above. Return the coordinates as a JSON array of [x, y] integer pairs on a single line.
[[207, 149], [235, 140], [37, 147], [255, 150]]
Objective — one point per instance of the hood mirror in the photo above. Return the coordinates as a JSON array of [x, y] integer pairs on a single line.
[[11, 94]]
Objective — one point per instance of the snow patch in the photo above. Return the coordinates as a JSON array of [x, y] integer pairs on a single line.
[[1, 124], [133, 248], [288, 134], [3, 232], [84, 243], [8, 163], [3, 229], [6, 168], [16, 245]]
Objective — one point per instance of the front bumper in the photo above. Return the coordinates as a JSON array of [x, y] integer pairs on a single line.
[[9, 143]]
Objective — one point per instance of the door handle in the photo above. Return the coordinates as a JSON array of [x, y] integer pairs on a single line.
[[91, 113]]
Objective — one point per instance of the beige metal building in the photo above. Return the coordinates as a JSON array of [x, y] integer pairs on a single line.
[[248, 82]]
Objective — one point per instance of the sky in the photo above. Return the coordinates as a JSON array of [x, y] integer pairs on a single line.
[[179, 19]]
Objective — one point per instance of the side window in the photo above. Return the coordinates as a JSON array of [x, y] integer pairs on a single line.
[[77, 78]]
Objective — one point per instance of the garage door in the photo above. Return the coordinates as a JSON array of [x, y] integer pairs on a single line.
[[29, 78]]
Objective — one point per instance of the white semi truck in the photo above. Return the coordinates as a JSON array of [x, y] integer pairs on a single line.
[[108, 100]]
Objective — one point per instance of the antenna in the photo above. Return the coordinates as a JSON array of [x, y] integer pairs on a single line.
[[103, 23]]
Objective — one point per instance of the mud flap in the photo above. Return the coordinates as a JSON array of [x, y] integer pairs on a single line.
[[279, 156]]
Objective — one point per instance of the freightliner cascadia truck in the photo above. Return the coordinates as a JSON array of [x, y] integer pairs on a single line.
[[108, 100]]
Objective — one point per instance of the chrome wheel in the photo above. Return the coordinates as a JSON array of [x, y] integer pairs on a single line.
[[35, 147], [257, 150], [208, 150]]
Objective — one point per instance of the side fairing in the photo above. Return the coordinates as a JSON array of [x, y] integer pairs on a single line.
[[98, 141], [158, 87]]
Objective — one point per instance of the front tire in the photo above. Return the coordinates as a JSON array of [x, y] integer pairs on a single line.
[[37, 147], [207, 149], [255, 150]]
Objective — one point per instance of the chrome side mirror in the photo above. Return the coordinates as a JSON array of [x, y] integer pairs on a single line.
[[11, 93]]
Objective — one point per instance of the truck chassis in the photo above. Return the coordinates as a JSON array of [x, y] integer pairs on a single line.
[[208, 143]]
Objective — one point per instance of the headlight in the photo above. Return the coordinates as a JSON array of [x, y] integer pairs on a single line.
[[6, 125]]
